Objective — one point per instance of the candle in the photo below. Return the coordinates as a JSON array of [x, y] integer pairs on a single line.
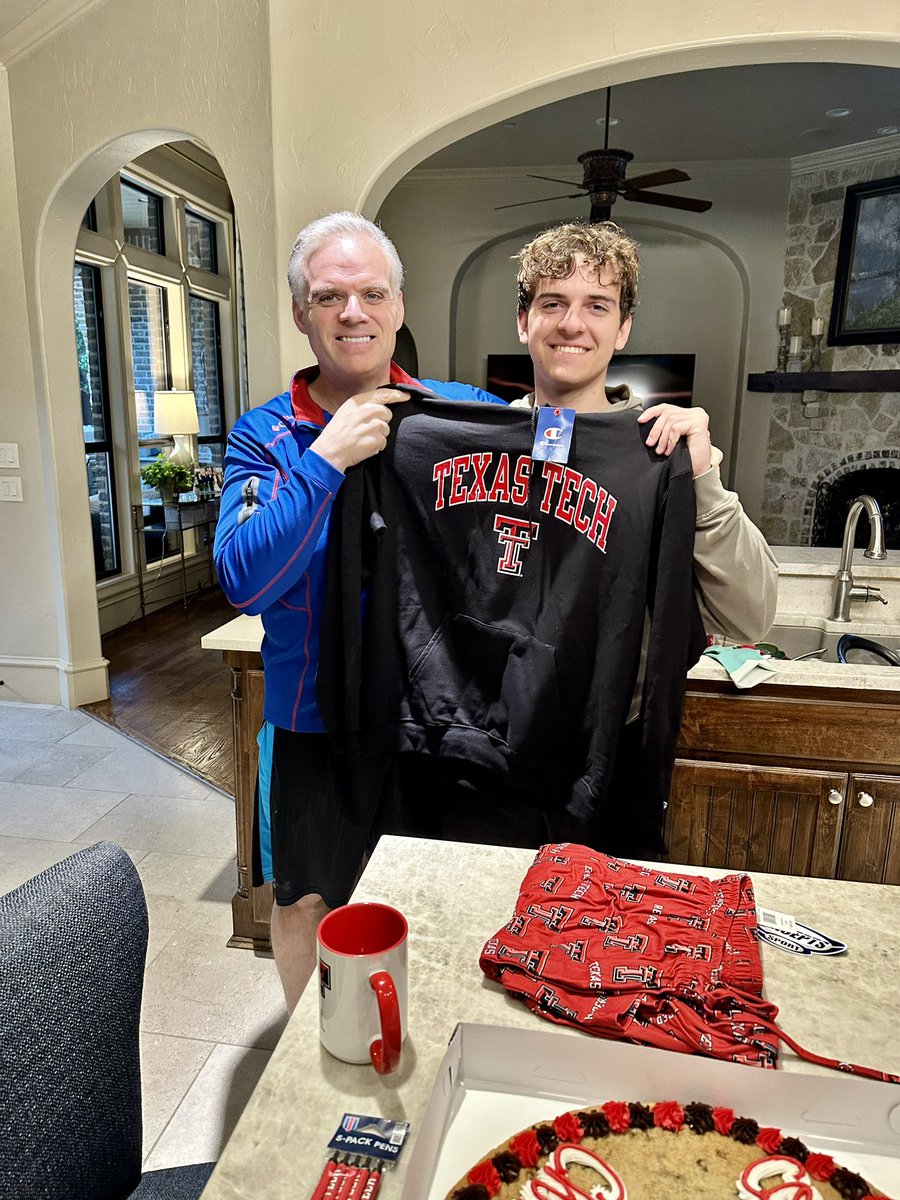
[[784, 316], [818, 326], [796, 344]]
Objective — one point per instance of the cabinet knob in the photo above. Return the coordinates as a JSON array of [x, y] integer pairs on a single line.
[[835, 797], [865, 800]]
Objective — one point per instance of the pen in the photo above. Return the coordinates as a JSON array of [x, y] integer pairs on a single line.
[[370, 1191], [327, 1172]]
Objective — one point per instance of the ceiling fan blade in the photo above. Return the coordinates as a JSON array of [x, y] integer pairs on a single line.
[[658, 178], [541, 200], [550, 179], [685, 202]]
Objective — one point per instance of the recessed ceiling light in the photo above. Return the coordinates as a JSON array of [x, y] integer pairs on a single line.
[[601, 121], [510, 124], [887, 129], [839, 112]]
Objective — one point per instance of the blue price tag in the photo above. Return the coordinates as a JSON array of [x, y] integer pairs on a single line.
[[553, 436]]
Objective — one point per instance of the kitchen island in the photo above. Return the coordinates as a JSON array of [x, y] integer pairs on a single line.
[[455, 896]]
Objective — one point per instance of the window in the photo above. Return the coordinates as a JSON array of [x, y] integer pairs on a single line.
[[207, 374], [149, 355], [95, 421], [160, 253], [201, 241], [142, 218]]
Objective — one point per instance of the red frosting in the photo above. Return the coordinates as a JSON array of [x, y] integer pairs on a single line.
[[485, 1174], [668, 1114], [769, 1139], [618, 1115], [526, 1147], [723, 1119], [568, 1128], [820, 1166]]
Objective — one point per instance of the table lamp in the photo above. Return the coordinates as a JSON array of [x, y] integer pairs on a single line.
[[175, 416]]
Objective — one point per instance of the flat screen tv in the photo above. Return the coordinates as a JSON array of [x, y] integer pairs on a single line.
[[656, 378]]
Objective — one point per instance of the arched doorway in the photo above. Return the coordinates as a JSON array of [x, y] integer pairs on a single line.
[[117, 274]]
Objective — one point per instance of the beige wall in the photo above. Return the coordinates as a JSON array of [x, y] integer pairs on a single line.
[[88, 100], [27, 530], [307, 107]]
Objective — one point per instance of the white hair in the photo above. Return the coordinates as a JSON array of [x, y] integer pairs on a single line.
[[339, 224]]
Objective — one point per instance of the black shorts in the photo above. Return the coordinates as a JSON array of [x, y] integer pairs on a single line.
[[327, 813]]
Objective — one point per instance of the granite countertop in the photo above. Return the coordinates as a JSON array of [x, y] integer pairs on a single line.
[[455, 896], [242, 634]]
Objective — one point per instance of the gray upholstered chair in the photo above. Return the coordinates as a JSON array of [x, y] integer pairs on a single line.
[[73, 942]]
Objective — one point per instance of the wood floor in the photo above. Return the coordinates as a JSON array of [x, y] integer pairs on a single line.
[[169, 693]]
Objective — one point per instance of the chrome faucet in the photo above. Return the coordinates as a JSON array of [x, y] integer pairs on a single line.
[[844, 588]]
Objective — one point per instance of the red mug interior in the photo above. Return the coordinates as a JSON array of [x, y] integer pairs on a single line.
[[357, 929]]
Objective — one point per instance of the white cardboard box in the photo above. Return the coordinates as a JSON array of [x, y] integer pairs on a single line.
[[495, 1080]]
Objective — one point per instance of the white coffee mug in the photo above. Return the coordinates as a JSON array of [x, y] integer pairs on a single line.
[[363, 984]]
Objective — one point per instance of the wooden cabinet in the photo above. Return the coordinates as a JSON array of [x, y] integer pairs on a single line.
[[782, 820], [870, 841], [788, 780], [775, 780]]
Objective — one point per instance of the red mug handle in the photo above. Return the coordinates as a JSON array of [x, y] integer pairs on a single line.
[[385, 1051]]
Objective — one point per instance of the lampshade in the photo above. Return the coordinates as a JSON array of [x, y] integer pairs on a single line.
[[175, 413]]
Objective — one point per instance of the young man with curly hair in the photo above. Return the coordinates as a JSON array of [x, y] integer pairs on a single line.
[[577, 294]]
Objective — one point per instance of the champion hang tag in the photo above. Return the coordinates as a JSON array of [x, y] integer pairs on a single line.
[[553, 435]]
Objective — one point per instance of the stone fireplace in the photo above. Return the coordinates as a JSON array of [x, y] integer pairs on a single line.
[[827, 447], [828, 500]]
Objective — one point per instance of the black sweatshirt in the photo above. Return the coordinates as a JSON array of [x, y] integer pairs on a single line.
[[505, 601]]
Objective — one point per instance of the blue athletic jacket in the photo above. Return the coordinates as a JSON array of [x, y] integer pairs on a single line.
[[272, 532]]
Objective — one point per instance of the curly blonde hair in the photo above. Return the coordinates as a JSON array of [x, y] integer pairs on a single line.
[[553, 254]]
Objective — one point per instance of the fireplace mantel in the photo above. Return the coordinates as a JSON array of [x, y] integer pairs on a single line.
[[824, 381]]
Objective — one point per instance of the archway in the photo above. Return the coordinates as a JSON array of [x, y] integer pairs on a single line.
[[82, 669], [760, 261], [722, 51], [484, 286]]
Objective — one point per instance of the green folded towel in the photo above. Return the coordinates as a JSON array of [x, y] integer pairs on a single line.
[[746, 667]]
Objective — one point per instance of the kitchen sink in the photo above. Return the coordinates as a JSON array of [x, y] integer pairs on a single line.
[[797, 640]]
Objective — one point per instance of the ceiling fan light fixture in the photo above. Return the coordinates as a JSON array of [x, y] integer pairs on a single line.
[[605, 180]]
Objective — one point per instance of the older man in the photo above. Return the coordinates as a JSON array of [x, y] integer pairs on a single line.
[[284, 465]]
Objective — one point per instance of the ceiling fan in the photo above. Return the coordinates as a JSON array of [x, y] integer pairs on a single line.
[[604, 181]]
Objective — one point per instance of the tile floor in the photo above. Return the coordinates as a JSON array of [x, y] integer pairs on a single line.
[[211, 1015]]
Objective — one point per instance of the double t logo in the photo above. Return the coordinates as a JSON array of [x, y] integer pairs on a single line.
[[514, 534]]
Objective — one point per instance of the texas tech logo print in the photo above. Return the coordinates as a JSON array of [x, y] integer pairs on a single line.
[[494, 478], [515, 535]]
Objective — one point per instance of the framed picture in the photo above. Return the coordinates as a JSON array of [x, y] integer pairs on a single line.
[[866, 306]]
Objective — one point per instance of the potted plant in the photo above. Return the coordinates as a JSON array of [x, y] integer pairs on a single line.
[[169, 478]]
